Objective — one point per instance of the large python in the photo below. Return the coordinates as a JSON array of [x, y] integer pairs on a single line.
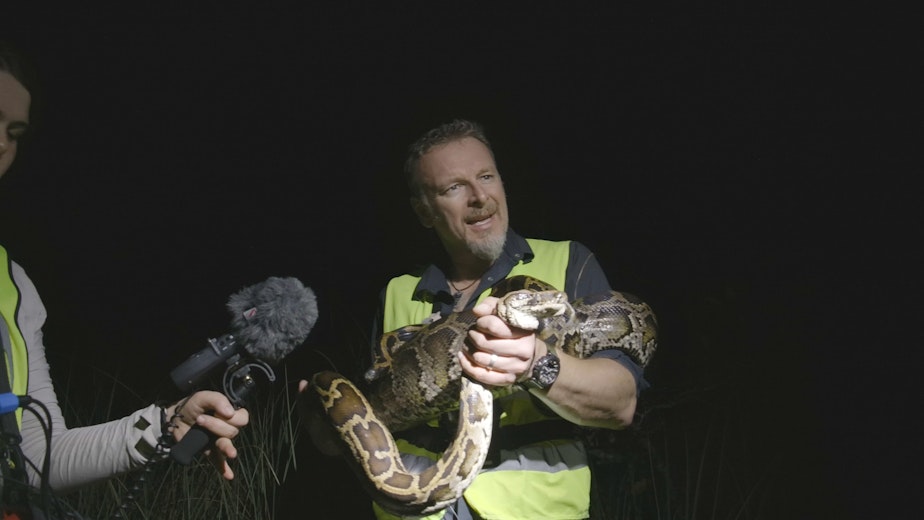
[[416, 377]]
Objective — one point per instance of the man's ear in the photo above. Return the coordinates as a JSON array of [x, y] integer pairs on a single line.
[[423, 212]]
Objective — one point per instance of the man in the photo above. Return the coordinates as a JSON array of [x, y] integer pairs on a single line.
[[540, 470], [80, 455]]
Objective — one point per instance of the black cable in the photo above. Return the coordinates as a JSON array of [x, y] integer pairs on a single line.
[[160, 453], [50, 505], [45, 486], [46, 494]]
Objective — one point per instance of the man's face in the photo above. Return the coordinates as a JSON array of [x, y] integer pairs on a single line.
[[463, 198], [14, 118]]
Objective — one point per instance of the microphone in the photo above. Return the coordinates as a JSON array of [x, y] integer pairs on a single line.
[[268, 321]]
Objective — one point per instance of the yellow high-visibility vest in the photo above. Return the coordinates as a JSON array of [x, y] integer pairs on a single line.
[[17, 357], [541, 490]]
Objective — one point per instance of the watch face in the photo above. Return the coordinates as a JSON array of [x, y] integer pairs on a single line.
[[546, 370]]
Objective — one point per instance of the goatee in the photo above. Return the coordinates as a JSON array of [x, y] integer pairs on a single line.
[[490, 247]]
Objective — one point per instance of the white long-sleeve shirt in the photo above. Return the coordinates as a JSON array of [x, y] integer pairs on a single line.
[[79, 456]]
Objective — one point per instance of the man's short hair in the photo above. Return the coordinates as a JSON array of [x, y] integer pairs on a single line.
[[445, 133]]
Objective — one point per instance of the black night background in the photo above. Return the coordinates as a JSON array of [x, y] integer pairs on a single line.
[[741, 169]]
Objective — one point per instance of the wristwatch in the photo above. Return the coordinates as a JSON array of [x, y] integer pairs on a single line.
[[545, 372]]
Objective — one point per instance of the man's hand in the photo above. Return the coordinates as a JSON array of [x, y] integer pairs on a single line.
[[589, 392], [499, 354], [215, 413]]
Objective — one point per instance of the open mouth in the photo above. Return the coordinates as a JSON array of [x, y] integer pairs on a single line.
[[480, 220], [483, 217]]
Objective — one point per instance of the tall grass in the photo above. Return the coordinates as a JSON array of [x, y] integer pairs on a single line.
[[166, 489], [697, 454]]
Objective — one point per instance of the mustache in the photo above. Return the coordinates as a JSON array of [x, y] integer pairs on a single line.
[[482, 214]]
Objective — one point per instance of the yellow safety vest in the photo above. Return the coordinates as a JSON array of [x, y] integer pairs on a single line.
[[17, 358], [496, 493]]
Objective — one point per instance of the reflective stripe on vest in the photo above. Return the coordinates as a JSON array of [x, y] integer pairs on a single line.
[[555, 483], [545, 480], [17, 359]]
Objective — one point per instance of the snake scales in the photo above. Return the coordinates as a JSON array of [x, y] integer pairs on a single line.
[[417, 377]]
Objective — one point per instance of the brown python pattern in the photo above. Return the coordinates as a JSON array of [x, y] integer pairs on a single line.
[[416, 377]]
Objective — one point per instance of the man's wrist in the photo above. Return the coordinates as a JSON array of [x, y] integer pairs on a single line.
[[544, 369]]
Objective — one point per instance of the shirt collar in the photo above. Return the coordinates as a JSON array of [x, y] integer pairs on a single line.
[[433, 282]]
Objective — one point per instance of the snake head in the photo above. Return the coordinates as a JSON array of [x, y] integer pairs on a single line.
[[528, 309]]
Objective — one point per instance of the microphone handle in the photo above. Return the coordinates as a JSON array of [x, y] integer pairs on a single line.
[[195, 440]]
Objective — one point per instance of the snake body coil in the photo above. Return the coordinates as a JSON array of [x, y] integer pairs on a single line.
[[416, 377]]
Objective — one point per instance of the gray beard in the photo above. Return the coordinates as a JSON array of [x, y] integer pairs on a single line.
[[490, 248]]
